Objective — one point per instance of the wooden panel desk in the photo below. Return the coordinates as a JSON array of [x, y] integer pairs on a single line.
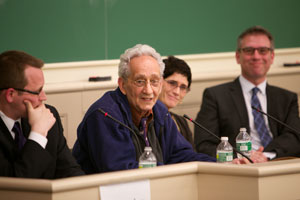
[[191, 181]]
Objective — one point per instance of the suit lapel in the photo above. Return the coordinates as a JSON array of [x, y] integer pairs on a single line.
[[7, 142], [239, 102], [271, 104], [5, 133]]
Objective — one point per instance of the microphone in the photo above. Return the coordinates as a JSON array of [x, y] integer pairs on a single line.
[[114, 119], [277, 120], [124, 125], [211, 133]]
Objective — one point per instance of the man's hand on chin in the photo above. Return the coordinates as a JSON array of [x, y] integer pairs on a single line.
[[40, 118]]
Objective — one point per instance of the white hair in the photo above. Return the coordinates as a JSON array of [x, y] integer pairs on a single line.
[[138, 50]]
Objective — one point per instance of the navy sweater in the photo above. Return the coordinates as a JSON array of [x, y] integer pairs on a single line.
[[103, 145]]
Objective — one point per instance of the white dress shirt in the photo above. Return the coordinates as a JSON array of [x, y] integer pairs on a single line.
[[38, 138], [247, 87]]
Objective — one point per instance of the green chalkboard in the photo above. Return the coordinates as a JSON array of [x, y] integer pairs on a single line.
[[80, 30]]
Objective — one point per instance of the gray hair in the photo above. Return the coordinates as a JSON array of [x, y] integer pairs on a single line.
[[138, 50], [255, 30]]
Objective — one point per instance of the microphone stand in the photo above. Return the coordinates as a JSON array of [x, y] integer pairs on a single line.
[[114, 119], [277, 120], [211, 133], [124, 125]]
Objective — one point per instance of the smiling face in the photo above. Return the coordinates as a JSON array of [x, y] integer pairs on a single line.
[[255, 66], [143, 85], [172, 94]]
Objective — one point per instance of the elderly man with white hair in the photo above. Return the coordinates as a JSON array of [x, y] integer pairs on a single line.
[[106, 145]]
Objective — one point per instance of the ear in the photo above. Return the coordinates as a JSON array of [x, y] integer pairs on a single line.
[[122, 85], [237, 57], [272, 56], [161, 85], [9, 95]]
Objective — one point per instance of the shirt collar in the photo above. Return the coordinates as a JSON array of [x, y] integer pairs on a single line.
[[9, 122], [247, 86], [136, 117]]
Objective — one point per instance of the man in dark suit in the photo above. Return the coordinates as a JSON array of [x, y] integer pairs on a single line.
[[226, 108], [32, 144]]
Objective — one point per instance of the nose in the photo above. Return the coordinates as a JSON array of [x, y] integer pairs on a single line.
[[42, 96], [148, 88], [256, 53], [176, 90]]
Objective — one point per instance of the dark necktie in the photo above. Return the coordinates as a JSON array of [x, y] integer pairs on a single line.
[[259, 121], [19, 137]]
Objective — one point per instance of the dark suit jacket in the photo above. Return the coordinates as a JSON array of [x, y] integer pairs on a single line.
[[224, 112], [55, 161]]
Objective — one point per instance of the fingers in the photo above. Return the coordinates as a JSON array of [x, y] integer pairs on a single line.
[[239, 161], [245, 161], [28, 105], [40, 118], [235, 161], [261, 149], [258, 156]]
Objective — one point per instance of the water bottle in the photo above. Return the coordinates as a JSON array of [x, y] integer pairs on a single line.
[[224, 151], [147, 159], [243, 143]]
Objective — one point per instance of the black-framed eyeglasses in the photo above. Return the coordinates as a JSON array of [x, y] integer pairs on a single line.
[[24, 90], [174, 84], [260, 50]]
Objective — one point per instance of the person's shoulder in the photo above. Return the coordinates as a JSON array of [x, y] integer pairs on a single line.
[[107, 100], [221, 88], [178, 118], [173, 114], [160, 110], [280, 91], [112, 102], [51, 108], [176, 115], [160, 106]]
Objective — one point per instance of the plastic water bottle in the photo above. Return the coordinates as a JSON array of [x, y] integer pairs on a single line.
[[224, 151], [243, 143], [147, 159]]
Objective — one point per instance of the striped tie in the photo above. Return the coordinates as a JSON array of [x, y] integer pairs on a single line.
[[259, 121]]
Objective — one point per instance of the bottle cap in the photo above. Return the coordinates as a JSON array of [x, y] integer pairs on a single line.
[[243, 129], [224, 138], [148, 148]]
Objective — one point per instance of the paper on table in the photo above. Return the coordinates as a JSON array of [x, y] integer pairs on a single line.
[[138, 190]]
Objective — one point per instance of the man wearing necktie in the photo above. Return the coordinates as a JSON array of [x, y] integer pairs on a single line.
[[32, 144], [228, 107]]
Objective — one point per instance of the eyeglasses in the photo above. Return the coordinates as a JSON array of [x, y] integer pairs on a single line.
[[260, 50], [143, 82], [24, 90], [174, 84]]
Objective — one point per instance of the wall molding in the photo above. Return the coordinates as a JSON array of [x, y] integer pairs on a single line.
[[68, 89], [73, 76]]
